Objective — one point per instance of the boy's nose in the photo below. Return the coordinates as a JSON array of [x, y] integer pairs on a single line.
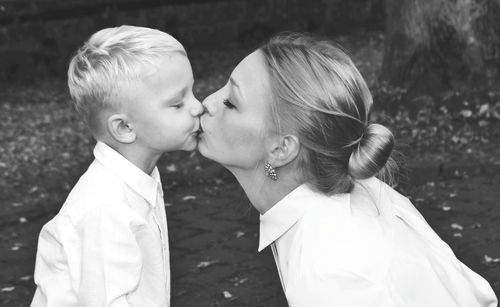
[[197, 109]]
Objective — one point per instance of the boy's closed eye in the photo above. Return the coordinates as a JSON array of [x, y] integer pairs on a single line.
[[178, 105]]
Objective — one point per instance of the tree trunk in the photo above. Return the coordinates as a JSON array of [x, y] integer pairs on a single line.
[[432, 44]]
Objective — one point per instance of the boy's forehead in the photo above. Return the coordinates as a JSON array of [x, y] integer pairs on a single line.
[[175, 67], [170, 62]]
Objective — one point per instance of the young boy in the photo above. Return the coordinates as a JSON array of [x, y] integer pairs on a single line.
[[108, 245]]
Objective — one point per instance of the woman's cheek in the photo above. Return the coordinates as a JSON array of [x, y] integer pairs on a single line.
[[244, 139]]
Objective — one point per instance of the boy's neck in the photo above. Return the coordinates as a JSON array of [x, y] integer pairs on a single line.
[[142, 158], [145, 161]]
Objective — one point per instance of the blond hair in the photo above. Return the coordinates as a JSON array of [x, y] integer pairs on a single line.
[[320, 96], [111, 59]]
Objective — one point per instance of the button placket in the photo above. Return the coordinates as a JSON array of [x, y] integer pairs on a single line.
[[277, 261], [160, 220]]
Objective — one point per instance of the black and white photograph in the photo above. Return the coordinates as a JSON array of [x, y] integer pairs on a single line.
[[250, 153]]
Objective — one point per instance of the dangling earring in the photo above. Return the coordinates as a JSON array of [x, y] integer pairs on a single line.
[[270, 172]]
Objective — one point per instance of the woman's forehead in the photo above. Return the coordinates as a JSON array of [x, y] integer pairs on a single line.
[[252, 77]]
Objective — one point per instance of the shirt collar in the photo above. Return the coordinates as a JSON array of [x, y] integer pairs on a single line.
[[148, 186], [284, 214]]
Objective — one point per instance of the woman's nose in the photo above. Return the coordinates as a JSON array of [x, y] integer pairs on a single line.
[[209, 106]]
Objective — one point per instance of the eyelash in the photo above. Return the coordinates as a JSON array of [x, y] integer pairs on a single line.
[[228, 104], [178, 105]]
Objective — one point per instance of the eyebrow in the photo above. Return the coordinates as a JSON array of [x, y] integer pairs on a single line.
[[235, 84], [176, 97]]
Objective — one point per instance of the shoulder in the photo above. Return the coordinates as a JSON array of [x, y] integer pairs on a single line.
[[96, 182], [338, 257], [332, 240], [97, 196], [95, 187]]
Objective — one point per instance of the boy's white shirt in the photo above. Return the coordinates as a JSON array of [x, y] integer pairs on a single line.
[[108, 245]]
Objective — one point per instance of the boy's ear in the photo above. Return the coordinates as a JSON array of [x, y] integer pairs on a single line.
[[120, 128], [284, 151]]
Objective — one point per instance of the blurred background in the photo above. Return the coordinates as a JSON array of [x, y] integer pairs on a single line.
[[433, 67]]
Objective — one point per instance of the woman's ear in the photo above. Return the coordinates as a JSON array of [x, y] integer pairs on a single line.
[[120, 128], [284, 151]]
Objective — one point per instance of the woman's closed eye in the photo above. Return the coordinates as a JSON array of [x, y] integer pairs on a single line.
[[228, 104]]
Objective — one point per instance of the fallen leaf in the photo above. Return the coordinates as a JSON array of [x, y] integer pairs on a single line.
[[457, 226], [488, 259], [239, 234], [188, 197], [7, 289], [466, 113], [444, 207], [171, 168], [204, 264], [238, 281], [33, 190], [483, 109], [16, 246], [227, 294], [22, 220], [243, 280], [483, 123]]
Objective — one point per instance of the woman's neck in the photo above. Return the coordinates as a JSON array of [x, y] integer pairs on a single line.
[[262, 191]]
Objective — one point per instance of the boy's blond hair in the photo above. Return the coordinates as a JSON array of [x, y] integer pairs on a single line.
[[109, 61]]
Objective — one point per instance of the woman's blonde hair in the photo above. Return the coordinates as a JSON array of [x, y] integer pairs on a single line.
[[109, 61], [320, 96]]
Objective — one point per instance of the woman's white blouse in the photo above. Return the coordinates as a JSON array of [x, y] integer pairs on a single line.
[[367, 248]]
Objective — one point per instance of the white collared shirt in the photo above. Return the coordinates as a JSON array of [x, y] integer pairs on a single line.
[[108, 245], [367, 248]]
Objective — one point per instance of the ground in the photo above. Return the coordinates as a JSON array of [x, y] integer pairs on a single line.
[[451, 174]]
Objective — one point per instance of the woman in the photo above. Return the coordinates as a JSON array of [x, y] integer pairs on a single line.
[[292, 126]]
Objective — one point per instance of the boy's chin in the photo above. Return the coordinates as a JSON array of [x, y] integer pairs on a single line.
[[190, 145]]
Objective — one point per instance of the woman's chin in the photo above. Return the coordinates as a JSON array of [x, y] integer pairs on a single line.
[[202, 148], [205, 151]]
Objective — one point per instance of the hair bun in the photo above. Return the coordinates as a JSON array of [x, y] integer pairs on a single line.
[[372, 153]]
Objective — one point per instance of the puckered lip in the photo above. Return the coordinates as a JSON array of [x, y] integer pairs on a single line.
[[200, 127]]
